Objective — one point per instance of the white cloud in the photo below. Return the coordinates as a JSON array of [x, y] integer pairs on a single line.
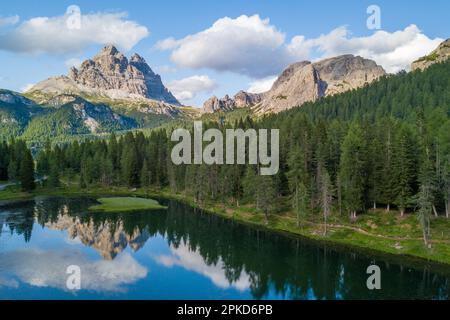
[[261, 85], [193, 261], [393, 50], [48, 269], [245, 45], [27, 87], [52, 34], [251, 46], [188, 88], [11, 20], [73, 62]]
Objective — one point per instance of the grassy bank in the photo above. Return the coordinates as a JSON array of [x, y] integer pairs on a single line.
[[378, 230], [125, 204]]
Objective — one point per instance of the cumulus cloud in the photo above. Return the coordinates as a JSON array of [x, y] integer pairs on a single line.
[[73, 62], [11, 20], [188, 88], [251, 46], [48, 269], [193, 261], [245, 45], [261, 85], [55, 34], [393, 50]]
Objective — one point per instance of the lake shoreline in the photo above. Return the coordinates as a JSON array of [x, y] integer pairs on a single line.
[[367, 243]]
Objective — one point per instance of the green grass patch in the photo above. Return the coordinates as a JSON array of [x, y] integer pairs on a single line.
[[125, 204]]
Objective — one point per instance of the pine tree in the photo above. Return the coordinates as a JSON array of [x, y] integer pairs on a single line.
[[298, 179], [387, 177], [145, 176], [54, 176], [403, 168], [300, 200], [129, 165], [266, 195], [26, 174], [424, 203], [4, 160], [353, 170], [326, 196], [249, 184], [107, 171]]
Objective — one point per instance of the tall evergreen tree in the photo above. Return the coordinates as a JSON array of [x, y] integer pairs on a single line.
[[326, 196], [54, 175], [27, 171], [353, 170], [424, 203], [403, 168]]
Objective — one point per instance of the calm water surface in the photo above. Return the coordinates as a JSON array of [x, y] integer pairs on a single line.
[[180, 253]]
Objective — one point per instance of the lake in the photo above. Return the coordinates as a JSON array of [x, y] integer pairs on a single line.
[[184, 253]]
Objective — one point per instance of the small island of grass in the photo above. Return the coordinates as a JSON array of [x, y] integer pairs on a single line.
[[125, 204]]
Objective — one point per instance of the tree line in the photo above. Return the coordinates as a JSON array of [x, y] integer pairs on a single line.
[[17, 164], [332, 161]]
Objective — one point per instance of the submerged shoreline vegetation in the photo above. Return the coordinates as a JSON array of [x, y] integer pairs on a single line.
[[370, 167]]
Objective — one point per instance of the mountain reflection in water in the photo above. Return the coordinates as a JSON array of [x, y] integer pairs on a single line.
[[183, 253]]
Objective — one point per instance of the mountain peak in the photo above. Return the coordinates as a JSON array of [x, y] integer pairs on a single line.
[[305, 81], [110, 73], [109, 49], [302, 82], [440, 54], [137, 58]]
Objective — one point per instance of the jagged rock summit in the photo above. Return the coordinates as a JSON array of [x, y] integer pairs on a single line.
[[440, 54], [240, 100], [303, 82], [111, 74]]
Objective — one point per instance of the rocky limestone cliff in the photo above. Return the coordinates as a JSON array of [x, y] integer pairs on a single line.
[[110, 74], [440, 54], [298, 84], [240, 100], [305, 81]]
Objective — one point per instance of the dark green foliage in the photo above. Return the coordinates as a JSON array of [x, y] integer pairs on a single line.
[[4, 160], [354, 169], [26, 171], [16, 112], [385, 144], [76, 118], [17, 164]]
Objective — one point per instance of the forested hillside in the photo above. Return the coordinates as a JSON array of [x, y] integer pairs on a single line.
[[15, 113], [385, 145]]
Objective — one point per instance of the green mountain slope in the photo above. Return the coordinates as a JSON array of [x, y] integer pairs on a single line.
[[401, 96], [74, 118], [16, 112]]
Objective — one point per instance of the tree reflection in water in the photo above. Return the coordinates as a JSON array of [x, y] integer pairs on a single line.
[[230, 254]]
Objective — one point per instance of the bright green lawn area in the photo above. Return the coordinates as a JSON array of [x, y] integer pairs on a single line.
[[121, 204]]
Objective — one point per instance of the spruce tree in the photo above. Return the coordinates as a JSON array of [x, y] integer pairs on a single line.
[[403, 168], [326, 196], [353, 170], [26, 174], [145, 176], [266, 195], [424, 203], [54, 176]]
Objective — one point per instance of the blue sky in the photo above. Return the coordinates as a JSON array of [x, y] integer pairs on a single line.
[[216, 47]]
